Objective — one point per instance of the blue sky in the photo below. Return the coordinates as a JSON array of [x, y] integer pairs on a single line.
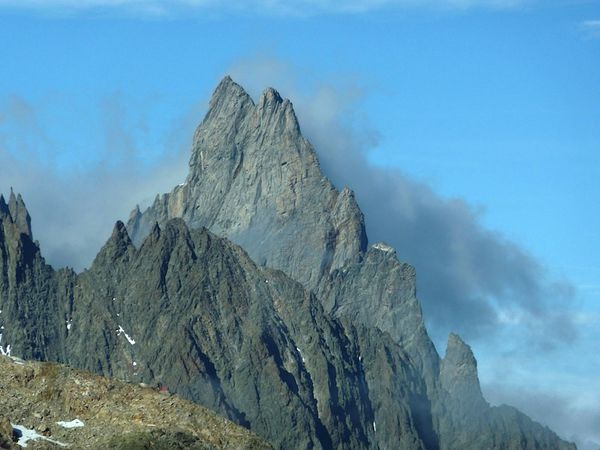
[[493, 103]]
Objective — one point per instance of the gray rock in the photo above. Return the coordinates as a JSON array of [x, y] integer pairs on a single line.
[[254, 179], [6, 434], [458, 375], [32, 294], [380, 292], [18, 212]]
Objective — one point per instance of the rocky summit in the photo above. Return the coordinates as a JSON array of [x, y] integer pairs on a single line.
[[251, 289]]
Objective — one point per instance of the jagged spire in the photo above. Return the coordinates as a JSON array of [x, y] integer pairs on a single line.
[[251, 173], [270, 96], [3, 206], [229, 91], [135, 212], [119, 245], [458, 372], [277, 114], [16, 211]]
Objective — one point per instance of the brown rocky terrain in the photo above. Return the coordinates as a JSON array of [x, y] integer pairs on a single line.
[[114, 414]]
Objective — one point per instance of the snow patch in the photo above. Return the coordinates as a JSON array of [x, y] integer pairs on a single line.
[[32, 435], [122, 331], [300, 353], [374, 427], [383, 247], [69, 324], [75, 423], [4, 351]]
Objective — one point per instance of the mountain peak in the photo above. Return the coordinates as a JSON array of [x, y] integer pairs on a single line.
[[118, 246], [228, 91], [17, 212], [3, 205], [256, 180], [458, 372], [270, 96], [458, 353]]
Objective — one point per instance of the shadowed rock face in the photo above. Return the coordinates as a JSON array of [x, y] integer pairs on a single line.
[[304, 334], [192, 311], [33, 297]]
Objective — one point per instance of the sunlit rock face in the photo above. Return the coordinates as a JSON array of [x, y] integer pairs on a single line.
[[254, 179]]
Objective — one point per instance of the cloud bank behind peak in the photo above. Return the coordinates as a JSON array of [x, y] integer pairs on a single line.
[[470, 279]]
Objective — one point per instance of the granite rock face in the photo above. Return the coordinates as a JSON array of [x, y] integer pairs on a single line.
[[257, 181], [467, 421], [254, 179], [458, 374], [281, 317]]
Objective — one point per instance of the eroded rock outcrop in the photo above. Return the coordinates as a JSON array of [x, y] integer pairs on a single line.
[[52, 406]]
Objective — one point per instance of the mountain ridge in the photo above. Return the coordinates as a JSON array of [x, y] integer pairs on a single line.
[[281, 317]]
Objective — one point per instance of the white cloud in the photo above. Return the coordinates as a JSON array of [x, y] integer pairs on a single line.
[[591, 24], [269, 7], [590, 28]]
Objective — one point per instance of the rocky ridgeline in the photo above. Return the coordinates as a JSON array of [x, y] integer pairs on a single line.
[[281, 317]]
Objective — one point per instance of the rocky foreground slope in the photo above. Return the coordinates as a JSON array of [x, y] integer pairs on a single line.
[[49, 406], [298, 329]]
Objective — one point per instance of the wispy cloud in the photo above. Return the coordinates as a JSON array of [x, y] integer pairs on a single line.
[[160, 8], [74, 209], [590, 28]]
